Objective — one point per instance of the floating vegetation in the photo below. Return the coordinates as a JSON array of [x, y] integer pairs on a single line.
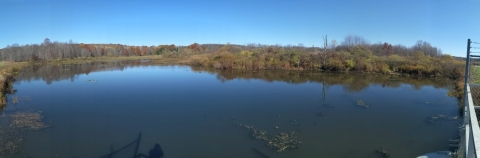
[[28, 120], [439, 117], [17, 99], [362, 104], [279, 142], [11, 125], [10, 141], [14, 100], [383, 151], [260, 134], [283, 141]]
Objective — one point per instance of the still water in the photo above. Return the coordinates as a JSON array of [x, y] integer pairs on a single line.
[[193, 112]]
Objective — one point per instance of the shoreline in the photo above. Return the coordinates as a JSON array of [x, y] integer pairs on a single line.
[[9, 70]]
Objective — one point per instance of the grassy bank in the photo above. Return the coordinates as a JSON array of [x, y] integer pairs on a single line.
[[8, 71]]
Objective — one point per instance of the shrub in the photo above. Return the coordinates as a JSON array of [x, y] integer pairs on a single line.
[[198, 60], [384, 68], [349, 64]]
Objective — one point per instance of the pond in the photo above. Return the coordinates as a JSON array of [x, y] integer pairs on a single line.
[[92, 108]]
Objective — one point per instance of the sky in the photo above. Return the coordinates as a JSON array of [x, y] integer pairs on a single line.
[[446, 24]]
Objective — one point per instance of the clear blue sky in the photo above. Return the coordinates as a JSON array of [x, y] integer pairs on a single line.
[[446, 24]]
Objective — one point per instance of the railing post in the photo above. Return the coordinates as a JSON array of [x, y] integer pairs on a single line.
[[471, 144], [468, 144], [467, 66]]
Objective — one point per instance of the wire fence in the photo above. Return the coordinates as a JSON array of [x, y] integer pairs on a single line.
[[474, 77], [471, 146]]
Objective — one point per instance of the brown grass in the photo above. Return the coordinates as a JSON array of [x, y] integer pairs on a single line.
[[8, 70]]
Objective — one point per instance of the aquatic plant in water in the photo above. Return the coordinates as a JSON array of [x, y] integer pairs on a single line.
[[383, 151], [14, 100], [11, 125], [18, 99], [10, 141], [28, 120], [362, 104], [283, 141], [279, 142]]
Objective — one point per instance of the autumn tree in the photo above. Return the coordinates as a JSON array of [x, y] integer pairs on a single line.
[[195, 47], [387, 48], [144, 50], [172, 47], [137, 51]]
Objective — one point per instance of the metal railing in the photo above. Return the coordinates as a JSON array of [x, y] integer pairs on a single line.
[[470, 145]]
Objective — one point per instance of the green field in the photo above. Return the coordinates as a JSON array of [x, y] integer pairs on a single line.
[[475, 76]]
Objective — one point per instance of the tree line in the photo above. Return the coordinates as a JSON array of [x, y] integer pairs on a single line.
[[354, 53]]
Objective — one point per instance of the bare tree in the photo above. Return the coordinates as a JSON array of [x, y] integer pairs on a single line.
[[334, 43], [426, 48], [353, 40], [46, 41]]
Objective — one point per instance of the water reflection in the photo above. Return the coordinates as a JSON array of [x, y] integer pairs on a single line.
[[56, 72], [352, 82]]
